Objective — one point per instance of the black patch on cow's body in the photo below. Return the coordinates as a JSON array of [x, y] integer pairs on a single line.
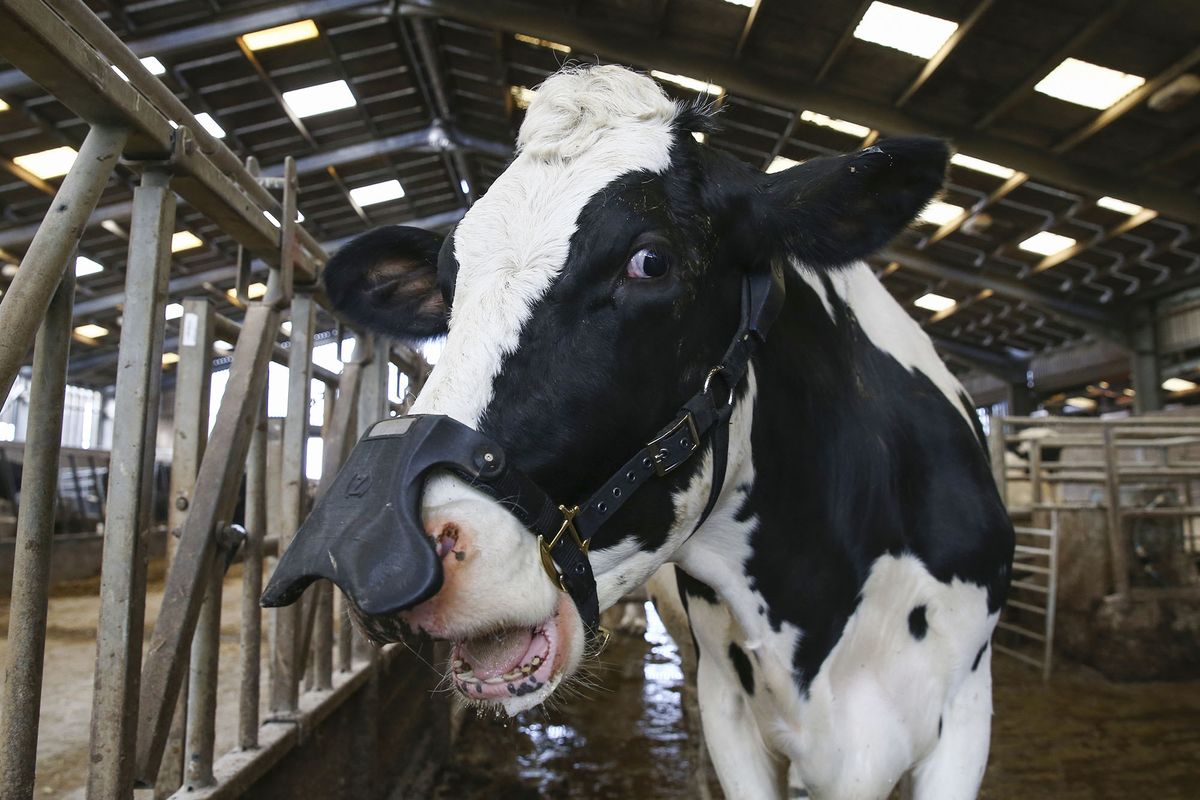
[[939, 727], [918, 625], [855, 458], [979, 657], [741, 665], [690, 587]]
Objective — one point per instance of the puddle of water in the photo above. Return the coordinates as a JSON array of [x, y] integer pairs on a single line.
[[623, 737]]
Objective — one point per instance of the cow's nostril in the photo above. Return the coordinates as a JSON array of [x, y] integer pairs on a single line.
[[447, 539]]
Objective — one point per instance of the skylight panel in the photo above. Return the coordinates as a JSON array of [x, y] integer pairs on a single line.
[[979, 165], [319, 99], [1178, 385], [184, 240], [153, 65], [780, 163], [377, 193], [209, 124], [939, 213], [704, 87], [85, 266], [52, 163], [4, 106], [700, 136], [833, 123], [173, 311], [1089, 85], [91, 331], [905, 30], [546, 43], [934, 302], [170, 358], [281, 35], [1119, 206], [1046, 243], [466, 187], [522, 96]]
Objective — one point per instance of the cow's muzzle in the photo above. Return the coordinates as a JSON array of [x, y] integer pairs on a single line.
[[365, 534]]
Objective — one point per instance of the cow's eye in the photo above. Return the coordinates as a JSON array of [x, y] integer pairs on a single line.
[[647, 263]]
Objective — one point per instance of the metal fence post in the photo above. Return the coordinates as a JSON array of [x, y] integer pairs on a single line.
[[252, 575], [122, 584], [193, 383], [1117, 541], [285, 689], [46, 260], [20, 698]]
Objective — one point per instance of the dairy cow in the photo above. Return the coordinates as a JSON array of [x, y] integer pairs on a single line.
[[840, 545]]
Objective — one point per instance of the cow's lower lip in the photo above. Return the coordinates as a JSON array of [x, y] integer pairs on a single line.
[[527, 671]]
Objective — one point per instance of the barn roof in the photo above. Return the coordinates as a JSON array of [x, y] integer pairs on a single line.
[[435, 99]]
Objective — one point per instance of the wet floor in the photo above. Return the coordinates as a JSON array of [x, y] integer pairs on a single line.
[[1080, 738], [621, 734]]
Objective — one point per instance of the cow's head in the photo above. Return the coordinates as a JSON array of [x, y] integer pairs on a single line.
[[583, 299]]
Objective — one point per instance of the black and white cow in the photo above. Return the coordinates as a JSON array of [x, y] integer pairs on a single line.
[[843, 591]]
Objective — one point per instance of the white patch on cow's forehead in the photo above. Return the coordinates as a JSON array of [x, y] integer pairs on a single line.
[[584, 129]]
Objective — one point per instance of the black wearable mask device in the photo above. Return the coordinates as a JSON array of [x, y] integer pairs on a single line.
[[366, 534]]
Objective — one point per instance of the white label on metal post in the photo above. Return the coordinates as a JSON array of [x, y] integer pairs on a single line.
[[188, 335]]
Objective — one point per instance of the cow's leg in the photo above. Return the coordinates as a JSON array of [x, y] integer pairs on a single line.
[[746, 768], [954, 770]]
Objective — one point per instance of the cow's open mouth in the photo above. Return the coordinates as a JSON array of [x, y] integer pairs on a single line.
[[509, 663]]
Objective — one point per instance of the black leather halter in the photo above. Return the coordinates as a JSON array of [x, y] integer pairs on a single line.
[[366, 533]]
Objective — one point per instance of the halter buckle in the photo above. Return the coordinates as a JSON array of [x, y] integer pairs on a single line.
[[568, 526], [663, 449]]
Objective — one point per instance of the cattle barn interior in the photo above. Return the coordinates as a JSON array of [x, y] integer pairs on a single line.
[[176, 174]]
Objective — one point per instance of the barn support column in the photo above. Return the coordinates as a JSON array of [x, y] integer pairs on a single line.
[[1020, 399], [1144, 363], [123, 574]]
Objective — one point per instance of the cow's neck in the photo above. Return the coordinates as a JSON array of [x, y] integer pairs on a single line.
[[843, 368]]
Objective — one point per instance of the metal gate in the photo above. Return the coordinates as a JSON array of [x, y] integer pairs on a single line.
[[146, 723]]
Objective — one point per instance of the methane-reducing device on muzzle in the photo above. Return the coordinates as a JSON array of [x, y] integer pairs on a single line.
[[366, 534]]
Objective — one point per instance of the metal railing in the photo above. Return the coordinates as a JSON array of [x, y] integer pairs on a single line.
[[1135, 469], [1028, 614], [133, 742], [80, 489]]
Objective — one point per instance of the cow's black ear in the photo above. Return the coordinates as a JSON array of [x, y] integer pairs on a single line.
[[835, 210], [386, 281]]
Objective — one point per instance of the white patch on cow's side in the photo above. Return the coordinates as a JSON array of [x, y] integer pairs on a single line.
[[584, 129], [872, 711], [891, 329]]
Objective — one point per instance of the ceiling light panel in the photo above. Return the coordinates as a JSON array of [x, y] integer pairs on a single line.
[[1046, 243], [934, 302], [979, 165], [85, 266], [52, 163], [833, 123], [780, 163], [377, 193], [173, 311], [209, 124], [281, 35], [319, 99], [546, 43], [904, 29], [1119, 206], [1088, 84], [704, 87], [184, 240], [91, 331], [939, 213]]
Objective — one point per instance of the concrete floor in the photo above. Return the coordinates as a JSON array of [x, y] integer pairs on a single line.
[[1080, 738]]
